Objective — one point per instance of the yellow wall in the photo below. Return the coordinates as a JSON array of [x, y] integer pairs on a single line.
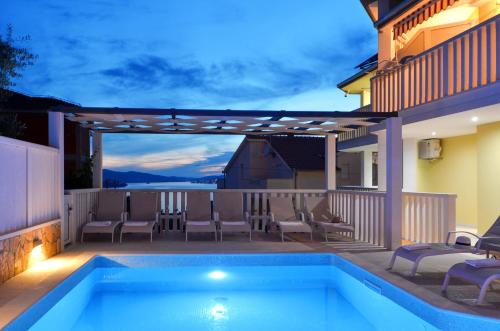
[[470, 167], [488, 152], [455, 172]]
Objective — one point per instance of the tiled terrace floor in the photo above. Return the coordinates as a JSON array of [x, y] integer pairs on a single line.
[[23, 290]]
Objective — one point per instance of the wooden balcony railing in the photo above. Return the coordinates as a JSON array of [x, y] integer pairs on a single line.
[[465, 62]]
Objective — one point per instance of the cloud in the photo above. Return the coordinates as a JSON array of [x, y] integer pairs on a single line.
[[157, 161], [213, 168]]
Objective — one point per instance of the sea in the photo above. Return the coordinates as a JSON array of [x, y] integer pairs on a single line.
[[169, 186]]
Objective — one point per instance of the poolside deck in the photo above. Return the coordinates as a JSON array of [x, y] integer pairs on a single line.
[[23, 290]]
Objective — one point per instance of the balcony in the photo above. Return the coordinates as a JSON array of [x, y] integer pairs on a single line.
[[466, 62]]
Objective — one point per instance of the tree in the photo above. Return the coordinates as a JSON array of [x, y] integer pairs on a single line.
[[12, 59]]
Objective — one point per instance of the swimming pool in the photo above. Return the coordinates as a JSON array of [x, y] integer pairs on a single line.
[[234, 292]]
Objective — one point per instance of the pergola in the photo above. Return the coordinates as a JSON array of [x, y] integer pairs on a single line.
[[251, 122]]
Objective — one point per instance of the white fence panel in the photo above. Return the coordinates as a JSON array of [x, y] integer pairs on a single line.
[[28, 184]]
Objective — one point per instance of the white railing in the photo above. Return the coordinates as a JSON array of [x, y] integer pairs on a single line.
[[426, 217], [29, 184], [363, 209]]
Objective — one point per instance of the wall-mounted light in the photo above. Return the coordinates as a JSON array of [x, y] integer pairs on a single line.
[[433, 133], [474, 119], [36, 254]]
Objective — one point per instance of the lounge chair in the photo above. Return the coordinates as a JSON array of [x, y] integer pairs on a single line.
[[144, 214], [283, 214], [479, 272], [197, 218], [229, 214], [109, 214], [319, 215], [416, 253]]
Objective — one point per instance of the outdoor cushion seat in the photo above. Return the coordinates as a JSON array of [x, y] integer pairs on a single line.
[[197, 217], [283, 214], [229, 214], [491, 236], [109, 214], [482, 277], [144, 214], [320, 216]]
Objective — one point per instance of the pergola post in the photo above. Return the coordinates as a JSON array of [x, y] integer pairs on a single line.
[[367, 168], [393, 182], [330, 163], [97, 160], [56, 140]]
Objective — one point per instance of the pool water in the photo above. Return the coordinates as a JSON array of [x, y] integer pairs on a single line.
[[234, 292]]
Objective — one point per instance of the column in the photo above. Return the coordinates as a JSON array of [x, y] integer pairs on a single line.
[[367, 168], [56, 140], [381, 160], [97, 159], [393, 183], [410, 162], [330, 163]]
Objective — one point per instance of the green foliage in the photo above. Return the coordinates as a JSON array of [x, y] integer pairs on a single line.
[[11, 127], [12, 59], [81, 178]]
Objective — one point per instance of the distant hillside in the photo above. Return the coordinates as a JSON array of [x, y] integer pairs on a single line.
[[142, 177]]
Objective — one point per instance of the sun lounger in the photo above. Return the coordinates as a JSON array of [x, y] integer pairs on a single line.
[[144, 214], [109, 214], [283, 214], [416, 255], [197, 218], [319, 215], [229, 214], [479, 272]]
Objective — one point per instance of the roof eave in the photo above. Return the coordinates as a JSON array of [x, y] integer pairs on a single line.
[[398, 10]]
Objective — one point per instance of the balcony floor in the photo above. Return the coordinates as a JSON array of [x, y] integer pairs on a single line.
[[23, 290]]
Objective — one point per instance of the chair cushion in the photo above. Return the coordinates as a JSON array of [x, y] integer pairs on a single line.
[[104, 223], [198, 223], [132, 223]]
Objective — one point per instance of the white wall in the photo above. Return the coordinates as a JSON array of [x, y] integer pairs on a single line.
[[29, 190]]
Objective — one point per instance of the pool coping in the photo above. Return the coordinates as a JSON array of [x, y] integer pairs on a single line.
[[19, 304]]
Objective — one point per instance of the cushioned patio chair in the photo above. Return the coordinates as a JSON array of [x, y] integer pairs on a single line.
[[144, 214], [197, 218], [109, 214], [415, 253], [482, 273], [229, 214], [319, 215], [284, 216]]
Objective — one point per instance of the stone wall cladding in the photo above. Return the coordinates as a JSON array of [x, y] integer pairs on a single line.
[[15, 257]]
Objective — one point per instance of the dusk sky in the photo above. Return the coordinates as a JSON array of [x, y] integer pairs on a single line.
[[222, 54]]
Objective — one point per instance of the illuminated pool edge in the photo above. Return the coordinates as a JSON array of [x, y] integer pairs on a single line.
[[441, 318]]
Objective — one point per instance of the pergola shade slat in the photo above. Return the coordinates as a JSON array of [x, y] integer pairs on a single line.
[[244, 122]]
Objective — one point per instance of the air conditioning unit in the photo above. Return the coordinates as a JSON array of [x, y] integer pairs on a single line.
[[429, 149]]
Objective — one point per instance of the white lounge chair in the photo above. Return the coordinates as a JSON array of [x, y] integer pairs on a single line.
[[482, 273], [319, 215], [109, 214], [229, 214], [197, 218], [144, 214], [416, 253], [288, 220]]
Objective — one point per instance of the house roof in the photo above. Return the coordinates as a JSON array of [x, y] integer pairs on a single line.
[[366, 67], [300, 153], [18, 102]]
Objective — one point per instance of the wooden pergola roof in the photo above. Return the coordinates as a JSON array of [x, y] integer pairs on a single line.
[[244, 122]]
